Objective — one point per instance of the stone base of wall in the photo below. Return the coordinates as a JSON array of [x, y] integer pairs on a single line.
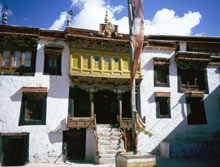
[[173, 149]]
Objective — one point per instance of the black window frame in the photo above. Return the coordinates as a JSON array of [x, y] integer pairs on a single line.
[[161, 68], [199, 86], [53, 70], [159, 102], [192, 116], [25, 97]]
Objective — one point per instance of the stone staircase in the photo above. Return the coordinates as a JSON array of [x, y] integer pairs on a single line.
[[109, 143]]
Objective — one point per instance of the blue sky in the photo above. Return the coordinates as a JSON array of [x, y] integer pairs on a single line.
[[169, 17]]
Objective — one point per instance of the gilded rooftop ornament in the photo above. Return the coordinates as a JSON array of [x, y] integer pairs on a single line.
[[106, 17]]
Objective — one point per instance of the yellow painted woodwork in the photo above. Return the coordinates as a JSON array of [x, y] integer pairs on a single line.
[[100, 64]]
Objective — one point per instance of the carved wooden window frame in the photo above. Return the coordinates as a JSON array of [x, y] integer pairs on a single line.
[[21, 68], [200, 79], [53, 53], [33, 97]]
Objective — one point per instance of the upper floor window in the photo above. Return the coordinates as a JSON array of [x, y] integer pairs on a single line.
[[161, 72], [52, 63], [16, 61], [191, 79]]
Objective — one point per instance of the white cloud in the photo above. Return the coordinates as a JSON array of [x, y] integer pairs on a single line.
[[93, 13], [164, 21], [167, 23], [59, 23]]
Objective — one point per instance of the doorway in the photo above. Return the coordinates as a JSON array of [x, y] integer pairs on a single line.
[[74, 141], [15, 150], [106, 107]]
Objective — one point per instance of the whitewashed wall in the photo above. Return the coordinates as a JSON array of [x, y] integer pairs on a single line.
[[44, 145], [176, 127]]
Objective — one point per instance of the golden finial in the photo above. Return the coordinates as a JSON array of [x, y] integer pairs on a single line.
[[106, 17]]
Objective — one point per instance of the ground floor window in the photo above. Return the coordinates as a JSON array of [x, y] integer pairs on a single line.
[[74, 144], [196, 112], [33, 106], [15, 149]]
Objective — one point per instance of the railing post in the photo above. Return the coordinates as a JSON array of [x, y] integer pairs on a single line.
[[91, 99]]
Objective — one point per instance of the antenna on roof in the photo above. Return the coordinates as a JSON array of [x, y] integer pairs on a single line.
[[70, 13], [4, 14]]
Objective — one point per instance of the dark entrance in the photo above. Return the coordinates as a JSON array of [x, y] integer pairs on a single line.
[[106, 107], [15, 150], [74, 141]]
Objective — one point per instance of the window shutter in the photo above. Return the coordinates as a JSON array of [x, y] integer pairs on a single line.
[[44, 109], [1, 148], [22, 112], [71, 107]]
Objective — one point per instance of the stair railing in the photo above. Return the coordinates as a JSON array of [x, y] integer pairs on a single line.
[[125, 138]]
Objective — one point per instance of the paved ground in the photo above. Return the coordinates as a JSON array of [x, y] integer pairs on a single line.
[[161, 162]]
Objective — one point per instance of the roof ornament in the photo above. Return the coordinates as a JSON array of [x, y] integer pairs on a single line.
[[106, 17], [4, 14], [70, 13], [108, 29]]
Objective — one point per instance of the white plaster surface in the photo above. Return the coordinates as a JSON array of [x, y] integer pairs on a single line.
[[176, 127], [44, 145]]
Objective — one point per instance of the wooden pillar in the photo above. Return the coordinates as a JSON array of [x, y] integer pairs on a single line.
[[91, 99], [119, 93]]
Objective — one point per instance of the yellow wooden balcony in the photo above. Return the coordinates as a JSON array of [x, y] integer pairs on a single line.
[[100, 64]]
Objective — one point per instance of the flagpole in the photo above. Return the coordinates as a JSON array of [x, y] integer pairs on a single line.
[[132, 95]]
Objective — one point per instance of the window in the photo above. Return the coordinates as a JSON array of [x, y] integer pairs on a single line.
[[52, 63], [106, 63], [33, 107], [191, 79], [96, 62], [16, 61], [163, 104], [116, 63], [161, 72], [79, 103], [196, 112]]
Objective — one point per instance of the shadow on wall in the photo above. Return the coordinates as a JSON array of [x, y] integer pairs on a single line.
[[17, 96], [56, 136], [196, 134]]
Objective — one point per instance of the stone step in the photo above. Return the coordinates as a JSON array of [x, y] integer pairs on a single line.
[[106, 126], [110, 147], [106, 160], [111, 138], [107, 155], [104, 152], [111, 142], [105, 134]]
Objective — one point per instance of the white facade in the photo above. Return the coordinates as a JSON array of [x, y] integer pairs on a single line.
[[46, 141], [45, 144], [175, 128]]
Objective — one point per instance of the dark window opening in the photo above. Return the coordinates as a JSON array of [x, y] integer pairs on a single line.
[[192, 79], [79, 103], [126, 105], [52, 65], [15, 150], [163, 107], [196, 112], [161, 76], [74, 144], [33, 109]]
